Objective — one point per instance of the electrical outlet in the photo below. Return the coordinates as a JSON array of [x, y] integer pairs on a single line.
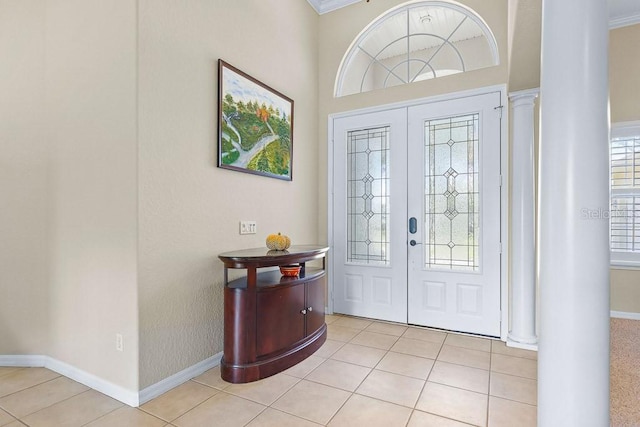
[[119, 342], [248, 227]]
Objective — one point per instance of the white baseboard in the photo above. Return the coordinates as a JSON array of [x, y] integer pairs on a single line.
[[122, 394], [625, 315], [516, 344], [178, 378], [117, 392], [103, 386], [23, 361]]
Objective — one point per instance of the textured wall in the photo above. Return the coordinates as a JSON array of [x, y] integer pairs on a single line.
[[23, 180], [90, 102], [189, 208], [68, 177]]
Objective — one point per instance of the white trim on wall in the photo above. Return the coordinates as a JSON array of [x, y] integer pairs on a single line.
[[122, 394], [129, 397], [178, 378], [23, 361], [326, 6], [624, 21], [625, 315]]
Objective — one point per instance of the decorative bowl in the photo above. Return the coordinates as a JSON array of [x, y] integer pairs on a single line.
[[290, 270]]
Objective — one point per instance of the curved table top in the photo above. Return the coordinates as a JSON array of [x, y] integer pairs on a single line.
[[263, 257]]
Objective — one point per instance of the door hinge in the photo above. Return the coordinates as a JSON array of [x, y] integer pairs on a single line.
[[499, 247], [500, 181], [499, 110]]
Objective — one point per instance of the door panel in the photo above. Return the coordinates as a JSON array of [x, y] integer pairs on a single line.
[[369, 213], [315, 305], [454, 191], [280, 324]]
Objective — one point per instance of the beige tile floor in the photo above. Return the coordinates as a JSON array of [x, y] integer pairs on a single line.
[[366, 374]]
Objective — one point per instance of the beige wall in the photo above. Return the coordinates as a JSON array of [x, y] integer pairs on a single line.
[[338, 29], [90, 99], [624, 86], [113, 207], [23, 180], [69, 158], [103, 227], [189, 208], [624, 73]]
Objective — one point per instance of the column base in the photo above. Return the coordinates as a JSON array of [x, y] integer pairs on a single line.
[[526, 343]]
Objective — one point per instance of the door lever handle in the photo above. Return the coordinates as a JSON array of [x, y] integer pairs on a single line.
[[413, 225]]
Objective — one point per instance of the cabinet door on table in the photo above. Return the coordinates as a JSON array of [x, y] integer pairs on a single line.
[[280, 322], [315, 305]]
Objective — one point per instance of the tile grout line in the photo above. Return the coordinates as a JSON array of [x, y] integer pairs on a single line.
[[489, 390], [61, 401], [359, 384], [189, 410], [34, 385], [104, 415]]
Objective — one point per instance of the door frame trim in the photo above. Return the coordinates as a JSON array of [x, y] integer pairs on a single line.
[[504, 193]]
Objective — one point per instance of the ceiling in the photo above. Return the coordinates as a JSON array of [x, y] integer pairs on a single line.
[[621, 12]]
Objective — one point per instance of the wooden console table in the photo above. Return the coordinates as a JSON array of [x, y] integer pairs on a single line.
[[271, 322]]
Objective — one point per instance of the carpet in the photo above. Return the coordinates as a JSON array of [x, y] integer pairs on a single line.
[[625, 373]]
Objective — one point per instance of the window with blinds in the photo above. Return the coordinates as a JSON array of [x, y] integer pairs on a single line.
[[625, 195]]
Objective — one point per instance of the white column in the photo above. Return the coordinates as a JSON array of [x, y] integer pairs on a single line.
[[522, 331], [573, 357]]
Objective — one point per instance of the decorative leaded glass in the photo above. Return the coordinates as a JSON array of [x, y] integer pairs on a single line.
[[417, 41], [451, 193], [368, 191]]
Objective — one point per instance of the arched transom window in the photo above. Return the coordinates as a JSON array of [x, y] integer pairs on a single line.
[[416, 41]]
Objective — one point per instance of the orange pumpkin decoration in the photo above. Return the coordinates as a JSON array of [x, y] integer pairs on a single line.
[[278, 242]]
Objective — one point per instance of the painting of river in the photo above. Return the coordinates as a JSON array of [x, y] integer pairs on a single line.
[[255, 126]]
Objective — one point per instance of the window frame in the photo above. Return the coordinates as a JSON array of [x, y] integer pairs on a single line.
[[623, 259]]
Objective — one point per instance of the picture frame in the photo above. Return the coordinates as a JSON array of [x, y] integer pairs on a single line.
[[255, 125]]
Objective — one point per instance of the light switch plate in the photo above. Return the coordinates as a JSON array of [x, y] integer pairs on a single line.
[[248, 227]]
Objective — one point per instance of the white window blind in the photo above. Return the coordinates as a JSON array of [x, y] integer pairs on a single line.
[[625, 195]]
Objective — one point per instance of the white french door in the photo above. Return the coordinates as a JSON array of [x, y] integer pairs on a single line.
[[416, 214], [370, 208], [454, 186]]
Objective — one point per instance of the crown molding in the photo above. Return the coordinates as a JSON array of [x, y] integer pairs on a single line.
[[315, 4], [624, 21], [326, 6]]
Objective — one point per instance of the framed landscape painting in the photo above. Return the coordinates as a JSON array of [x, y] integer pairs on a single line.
[[255, 125]]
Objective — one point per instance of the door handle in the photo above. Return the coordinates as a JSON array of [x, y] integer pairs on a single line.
[[303, 311], [413, 225], [413, 243]]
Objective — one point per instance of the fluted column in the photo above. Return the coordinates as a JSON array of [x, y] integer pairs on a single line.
[[573, 356], [522, 331]]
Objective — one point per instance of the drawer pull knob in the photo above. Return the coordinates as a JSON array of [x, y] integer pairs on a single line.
[[303, 311], [310, 308]]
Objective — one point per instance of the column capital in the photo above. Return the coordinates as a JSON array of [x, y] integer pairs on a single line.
[[523, 97]]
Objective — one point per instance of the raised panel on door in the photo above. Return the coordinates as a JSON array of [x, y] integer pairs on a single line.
[[454, 192], [369, 212], [280, 322]]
